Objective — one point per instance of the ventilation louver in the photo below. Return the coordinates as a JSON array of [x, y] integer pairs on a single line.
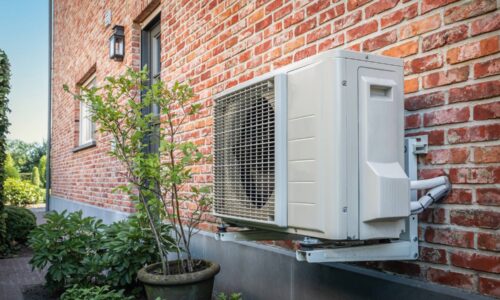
[[245, 153]]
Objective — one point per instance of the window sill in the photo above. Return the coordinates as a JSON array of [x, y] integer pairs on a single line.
[[88, 145]]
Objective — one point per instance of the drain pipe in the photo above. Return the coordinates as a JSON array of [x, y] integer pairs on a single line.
[[49, 130]]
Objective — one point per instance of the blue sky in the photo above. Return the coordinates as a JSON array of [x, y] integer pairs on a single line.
[[24, 37]]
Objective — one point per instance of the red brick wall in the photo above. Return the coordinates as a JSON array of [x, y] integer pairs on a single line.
[[451, 51]]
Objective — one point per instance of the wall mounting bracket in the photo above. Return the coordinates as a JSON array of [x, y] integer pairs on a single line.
[[314, 251]]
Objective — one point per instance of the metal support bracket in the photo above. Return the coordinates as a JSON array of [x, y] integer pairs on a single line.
[[421, 144]]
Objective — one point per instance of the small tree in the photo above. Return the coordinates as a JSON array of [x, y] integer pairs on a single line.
[[159, 181], [35, 177], [42, 168], [10, 169]]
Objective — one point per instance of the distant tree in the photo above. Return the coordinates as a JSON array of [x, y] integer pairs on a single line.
[[35, 177], [10, 168], [42, 167], [4, 129], [26, 155]]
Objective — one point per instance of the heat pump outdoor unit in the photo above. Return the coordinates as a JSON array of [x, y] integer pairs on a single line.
[[315, 149]]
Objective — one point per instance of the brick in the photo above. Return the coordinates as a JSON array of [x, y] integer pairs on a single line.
[[412, 121], [263, 47], [424, 101], [447, 156], [486, 24], [451, 278], [380, 41], [378, 7], [487, 111], [355, 47], [468, 10], [331, 42], [458, 196], [283, 12], [488, 196], [478, 133], [489, 286], [445, 77], [448, 236], [293, 19], [432, 255], [487, 68], [361, 31], [420, 26], [445, 37], [261, 25], [402, 50], [309, 51], [475, 218], [292, 45], [487, 154], [256, 16], [428, 5], [399, 16], [488, 241], [305, 27], [473, 50], [430, 173], [423, 64], [433, 216], [272, 55], [332, 13], [475, 175], [477, 91], [446, 116], [271, 7], [411, 85], [319, 33], [347, 21], [317, 6], [353, 4], [476, 261]]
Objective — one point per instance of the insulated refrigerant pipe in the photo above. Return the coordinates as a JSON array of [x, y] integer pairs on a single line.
[[435, 194], [429, 183]]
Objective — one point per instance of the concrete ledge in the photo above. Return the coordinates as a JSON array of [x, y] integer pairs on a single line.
[[107, 215], [266, 272]]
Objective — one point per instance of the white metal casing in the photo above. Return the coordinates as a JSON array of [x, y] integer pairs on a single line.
[[338, 148]]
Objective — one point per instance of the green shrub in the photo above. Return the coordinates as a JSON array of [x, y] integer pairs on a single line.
[[68, 244], [129, 245], [21, 193], [10, 168], [232, 296], [35, 177], [93, 293], [42, 168], [20, 222]]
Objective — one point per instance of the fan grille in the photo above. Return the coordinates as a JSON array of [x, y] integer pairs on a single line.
[[244, 153]]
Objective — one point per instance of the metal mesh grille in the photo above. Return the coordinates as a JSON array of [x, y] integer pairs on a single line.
[[244, 153]]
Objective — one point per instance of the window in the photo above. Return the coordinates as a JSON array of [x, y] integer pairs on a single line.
[[87, 128], [151, 57]]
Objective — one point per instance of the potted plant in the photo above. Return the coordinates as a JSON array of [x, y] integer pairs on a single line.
[[144, 124]]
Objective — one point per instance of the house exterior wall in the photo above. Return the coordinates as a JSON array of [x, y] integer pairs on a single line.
[[451, 51]]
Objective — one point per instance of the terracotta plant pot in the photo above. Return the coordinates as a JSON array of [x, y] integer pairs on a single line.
[[197, 285]]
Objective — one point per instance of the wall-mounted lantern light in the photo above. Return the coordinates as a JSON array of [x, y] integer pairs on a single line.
[[117, 43]]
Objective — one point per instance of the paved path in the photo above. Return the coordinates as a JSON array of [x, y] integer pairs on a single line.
[[16, 274]]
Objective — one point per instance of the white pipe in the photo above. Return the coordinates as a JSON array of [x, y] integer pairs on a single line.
[[430, 197], [429, 183]]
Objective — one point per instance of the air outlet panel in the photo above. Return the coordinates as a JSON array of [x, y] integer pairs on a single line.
[[245, 153]]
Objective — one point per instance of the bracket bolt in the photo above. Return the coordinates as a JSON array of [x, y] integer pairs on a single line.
[[415, 239], [415, 255], [344, 82]]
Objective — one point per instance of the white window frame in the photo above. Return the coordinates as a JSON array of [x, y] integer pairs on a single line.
[[86, 127]]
